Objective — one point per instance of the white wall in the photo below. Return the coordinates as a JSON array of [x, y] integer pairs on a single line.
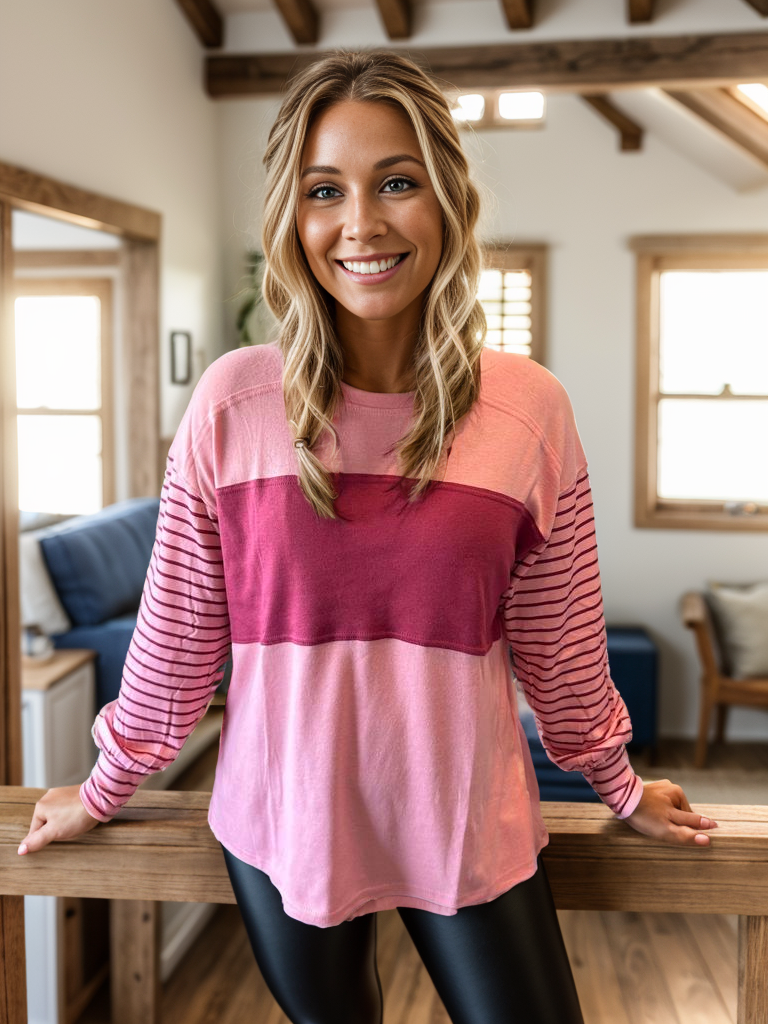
[[109, 97], [568, 186], [462, 22]]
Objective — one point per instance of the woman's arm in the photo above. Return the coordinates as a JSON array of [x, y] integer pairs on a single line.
[[554, 621], [177, 652], [553, 616]]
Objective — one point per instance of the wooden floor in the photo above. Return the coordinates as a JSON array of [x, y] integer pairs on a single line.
[[630, 968]]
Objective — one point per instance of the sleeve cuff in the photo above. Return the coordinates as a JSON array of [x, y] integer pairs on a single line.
[[89, 806], [634, 798]]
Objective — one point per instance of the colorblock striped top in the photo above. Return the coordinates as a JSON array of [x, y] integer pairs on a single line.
[[371, 753]]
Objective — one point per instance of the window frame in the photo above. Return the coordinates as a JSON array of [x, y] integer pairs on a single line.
[[102, 287], [533, 258], [654, 254]]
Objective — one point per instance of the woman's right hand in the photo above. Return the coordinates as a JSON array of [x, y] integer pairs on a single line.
[[58, 814]]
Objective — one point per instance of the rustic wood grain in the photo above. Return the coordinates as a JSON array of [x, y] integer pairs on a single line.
[[573, 65]]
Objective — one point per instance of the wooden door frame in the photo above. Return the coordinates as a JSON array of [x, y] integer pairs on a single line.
[[140, 231]]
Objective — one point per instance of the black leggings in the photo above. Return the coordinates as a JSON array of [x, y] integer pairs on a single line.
[[500, 962]]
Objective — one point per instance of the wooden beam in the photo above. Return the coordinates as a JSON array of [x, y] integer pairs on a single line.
[[630, 133], [640, 10], [301, 19], [51, 198], [732, 118], [397, 16], [206, 21], [761, 6], [575, 65], [519, 13]]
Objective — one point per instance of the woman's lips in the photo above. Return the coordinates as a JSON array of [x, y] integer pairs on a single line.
[[383, 275]]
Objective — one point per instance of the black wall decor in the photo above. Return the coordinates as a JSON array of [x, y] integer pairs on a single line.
[[181, 357]]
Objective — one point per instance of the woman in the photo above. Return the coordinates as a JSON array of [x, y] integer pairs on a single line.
[[371, 588]]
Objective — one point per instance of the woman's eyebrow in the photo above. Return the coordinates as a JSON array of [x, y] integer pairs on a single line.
[[386, 162]]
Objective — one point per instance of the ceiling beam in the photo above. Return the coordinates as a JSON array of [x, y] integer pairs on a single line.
[[301, 19], [206, 21], [640, 10], [630, 133], [519, 13], [732, 118], [575, 65], [397, 17], [761, 6]]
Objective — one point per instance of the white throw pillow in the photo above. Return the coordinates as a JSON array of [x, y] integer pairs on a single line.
[[40, 604], [741, 620]]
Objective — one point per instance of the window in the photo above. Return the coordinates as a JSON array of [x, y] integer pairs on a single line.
[[702, 382], [63, 388], [512, 294], [498, 108]]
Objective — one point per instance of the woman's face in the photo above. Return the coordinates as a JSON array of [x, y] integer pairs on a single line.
[[366, 196]]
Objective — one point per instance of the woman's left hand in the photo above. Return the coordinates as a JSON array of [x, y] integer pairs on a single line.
[[664, 813]]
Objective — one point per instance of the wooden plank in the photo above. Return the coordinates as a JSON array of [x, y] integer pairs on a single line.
[[135, 938], [640, 11], [397, 17], [52, 198], [301, 19], [46, 258], [574, 65], [518, 13], [732, 118], [594, 860], [753, 975], [206, 21], [630, 133], [141, 365], [13, 969]]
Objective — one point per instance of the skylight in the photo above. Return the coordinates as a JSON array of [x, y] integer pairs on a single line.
[[521, 106], [471, 107], [757, 92]]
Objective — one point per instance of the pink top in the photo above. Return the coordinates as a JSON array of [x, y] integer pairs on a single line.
[[371, 753]]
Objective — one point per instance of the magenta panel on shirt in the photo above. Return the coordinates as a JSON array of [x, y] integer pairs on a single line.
[[292, 576]]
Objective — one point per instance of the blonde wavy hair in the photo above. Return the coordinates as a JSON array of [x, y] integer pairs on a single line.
[[452, 325]]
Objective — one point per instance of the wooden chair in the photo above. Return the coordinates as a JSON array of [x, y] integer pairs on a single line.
[[594, 861], [717, 690]]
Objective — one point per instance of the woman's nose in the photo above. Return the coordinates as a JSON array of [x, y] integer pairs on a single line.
[[363, 218]]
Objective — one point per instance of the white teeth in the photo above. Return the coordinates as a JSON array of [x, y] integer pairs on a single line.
[[374, 267]]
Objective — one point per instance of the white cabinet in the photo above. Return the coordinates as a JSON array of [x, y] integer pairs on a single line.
[[57, 702]]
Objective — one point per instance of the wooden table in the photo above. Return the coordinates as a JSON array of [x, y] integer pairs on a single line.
[[160, 847]]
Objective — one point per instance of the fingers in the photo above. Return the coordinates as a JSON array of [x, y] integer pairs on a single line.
[[36, 840], [691, 818]]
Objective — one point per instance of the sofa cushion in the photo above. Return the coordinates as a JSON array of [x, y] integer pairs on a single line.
[[98, 562], [40, 604], [740, 617]]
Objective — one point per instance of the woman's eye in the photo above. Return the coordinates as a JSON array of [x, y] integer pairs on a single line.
[[401, 181], [316, 192]]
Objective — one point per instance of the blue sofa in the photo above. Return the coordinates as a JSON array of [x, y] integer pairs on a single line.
[[98, 564]]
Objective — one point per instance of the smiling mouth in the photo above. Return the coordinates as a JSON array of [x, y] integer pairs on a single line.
[[372, 268]]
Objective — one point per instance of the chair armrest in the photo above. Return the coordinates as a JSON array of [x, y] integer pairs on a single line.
[[696, 616]]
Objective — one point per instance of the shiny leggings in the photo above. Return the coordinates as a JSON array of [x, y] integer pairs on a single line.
[[500, 962]]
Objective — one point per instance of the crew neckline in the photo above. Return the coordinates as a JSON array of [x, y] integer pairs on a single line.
[[377, 399]]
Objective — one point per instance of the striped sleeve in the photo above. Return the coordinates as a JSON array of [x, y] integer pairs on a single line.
[[177, 653], [553, 615]]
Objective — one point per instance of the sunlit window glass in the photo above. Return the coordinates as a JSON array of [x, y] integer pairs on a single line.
[[521, 106], [58, 368], [470, 107], [505, 296], [713, 340]]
